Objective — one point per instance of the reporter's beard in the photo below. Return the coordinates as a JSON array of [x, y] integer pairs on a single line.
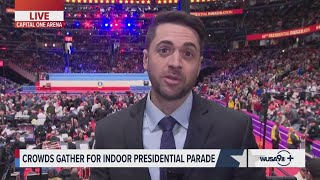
[[179, 94]]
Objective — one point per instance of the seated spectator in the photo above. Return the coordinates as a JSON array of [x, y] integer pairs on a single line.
[[63, 129], [74, 175], [71, 145], [53, 137], [101, 112], [79, 137], [65, 172], [91, 142], [53, 174], [41, 115], [38, 144]]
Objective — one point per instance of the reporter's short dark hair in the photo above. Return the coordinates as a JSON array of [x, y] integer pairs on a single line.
[[180, 18]]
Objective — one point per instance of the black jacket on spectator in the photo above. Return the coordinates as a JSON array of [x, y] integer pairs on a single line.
[[40, 132], [18, 107], [101, 113], [71, 145], [89, 133], [65, 103], [51, 110], [54, 139], [293, 116], [64, 173], [63, 131], [37, 107], [78, 138], [314, 132], [131, 100], [33, 116], [2, 107], [73, 177], [2, 159], [77, 101], [302, 95], [38, 147], [20, 145], [96, 113], [91, 143], [82, 118], [72, 131]]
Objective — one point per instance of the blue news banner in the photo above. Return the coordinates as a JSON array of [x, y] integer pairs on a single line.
[[161, 158]]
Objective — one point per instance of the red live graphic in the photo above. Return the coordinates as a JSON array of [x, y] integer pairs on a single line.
[[39, 5], [39, 15], [39, 24]]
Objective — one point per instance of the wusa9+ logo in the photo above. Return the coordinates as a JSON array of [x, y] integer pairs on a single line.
[[283, 158]]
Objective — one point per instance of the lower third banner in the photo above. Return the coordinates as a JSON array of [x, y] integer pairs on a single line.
[[161, 158]]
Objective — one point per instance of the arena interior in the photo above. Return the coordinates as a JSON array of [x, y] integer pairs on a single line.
[[261, 57]]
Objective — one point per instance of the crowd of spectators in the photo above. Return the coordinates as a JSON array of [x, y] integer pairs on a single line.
[[90, 53], [39, 62], [279, 18], [290, 76], [54, 115], [7, 85], [43, 49], [243, 81], [83, 62]]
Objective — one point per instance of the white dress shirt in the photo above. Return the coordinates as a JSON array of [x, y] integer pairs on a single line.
[[152, 133]]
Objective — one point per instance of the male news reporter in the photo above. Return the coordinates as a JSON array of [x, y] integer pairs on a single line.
[[171, 116]]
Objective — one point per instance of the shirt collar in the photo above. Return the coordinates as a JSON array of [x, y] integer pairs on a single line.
[[181, 114]]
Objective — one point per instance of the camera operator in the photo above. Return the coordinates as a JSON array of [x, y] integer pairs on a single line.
[[2, 159], [6, 155], [18, 144]]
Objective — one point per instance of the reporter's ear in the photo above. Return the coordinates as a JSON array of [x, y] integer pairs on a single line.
[[145, 59]]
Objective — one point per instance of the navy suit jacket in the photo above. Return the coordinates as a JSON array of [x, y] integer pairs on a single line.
[[211, 126]]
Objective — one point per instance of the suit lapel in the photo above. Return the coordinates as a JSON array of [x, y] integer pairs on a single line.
[[199, 126], [133, 136], [133, 130], [198, 130]]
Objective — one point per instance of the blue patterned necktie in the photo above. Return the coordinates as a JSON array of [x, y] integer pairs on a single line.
[[167, 139]]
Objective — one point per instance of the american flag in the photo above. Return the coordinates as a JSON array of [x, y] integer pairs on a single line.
[[84, 173], [51, 145]]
